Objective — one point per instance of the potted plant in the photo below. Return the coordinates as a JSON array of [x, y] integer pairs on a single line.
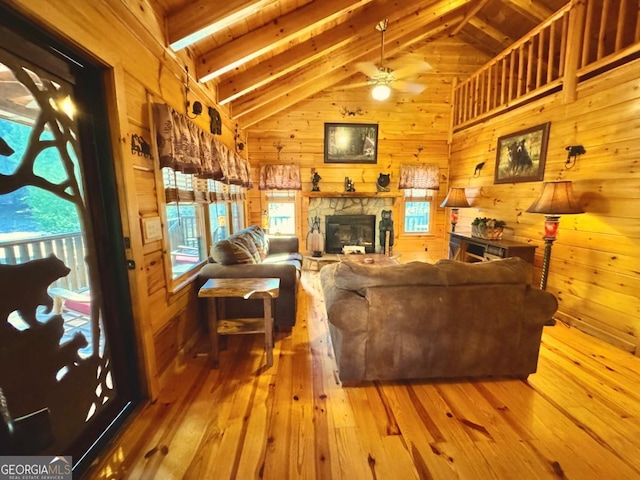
[[490, 228]]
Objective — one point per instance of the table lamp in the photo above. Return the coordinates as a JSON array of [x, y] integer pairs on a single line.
[[555, 199], [456, 198]]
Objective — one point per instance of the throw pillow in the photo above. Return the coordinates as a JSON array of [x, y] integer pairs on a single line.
[[229, 253]]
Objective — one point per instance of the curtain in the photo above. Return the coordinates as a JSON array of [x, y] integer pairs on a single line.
[[419, 176], [280, 177], [186, 148]]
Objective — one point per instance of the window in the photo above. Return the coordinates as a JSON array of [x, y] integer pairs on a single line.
[[237, 208], [185, 223], [418, 207], [218, 212], [282, 212]]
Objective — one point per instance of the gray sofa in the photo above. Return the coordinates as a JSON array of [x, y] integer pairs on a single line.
[[447, 320], [250, 253]]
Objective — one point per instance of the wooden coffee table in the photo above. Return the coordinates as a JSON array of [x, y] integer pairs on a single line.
[[318, 261], [248, 288], [377, 258]]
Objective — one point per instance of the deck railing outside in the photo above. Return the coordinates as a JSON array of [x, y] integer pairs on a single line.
[[580, 38], [68, 247]]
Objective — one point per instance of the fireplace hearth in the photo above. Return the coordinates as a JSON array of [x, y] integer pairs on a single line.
[[358, 230]]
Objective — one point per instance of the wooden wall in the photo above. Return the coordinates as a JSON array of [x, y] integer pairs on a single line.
[[128, 39], [594, 265], [405, 123]]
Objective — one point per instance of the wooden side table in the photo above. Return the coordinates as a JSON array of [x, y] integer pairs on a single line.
[[248, 288]]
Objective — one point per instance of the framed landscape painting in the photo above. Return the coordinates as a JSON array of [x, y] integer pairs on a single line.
[[350, 142], [521, 156]]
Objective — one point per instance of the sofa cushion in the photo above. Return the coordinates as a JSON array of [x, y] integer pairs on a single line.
[[283, 257], [227, 252], [355, 276]]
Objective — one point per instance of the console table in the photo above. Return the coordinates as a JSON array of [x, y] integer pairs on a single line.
[[465, 248]]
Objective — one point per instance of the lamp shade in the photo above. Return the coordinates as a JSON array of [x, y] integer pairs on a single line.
[[556, 198], [456, 198]]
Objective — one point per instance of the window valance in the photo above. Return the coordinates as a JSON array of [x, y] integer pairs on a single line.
[[419, 176], [186, 148], [280, 177]]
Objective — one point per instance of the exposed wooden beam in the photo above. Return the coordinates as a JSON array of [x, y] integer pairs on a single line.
[[201, 18], [470, 14], [531, 9], [411, 27], [260, 41], [490, 31], [324, 44], [329, 77]]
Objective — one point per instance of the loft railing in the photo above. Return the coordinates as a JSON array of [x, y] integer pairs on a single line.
[[67, 247], [579, 39]]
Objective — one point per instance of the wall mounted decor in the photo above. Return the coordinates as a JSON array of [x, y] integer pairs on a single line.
[[215, 122], [140, 146], [350, 143], [521, 155]]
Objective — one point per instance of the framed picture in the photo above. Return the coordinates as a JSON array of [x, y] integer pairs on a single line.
[[521, 156], [350, 143]]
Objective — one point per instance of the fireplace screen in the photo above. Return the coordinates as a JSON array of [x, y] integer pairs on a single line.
[[359, 230]]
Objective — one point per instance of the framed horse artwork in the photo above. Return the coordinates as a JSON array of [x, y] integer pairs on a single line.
[[521, 156]]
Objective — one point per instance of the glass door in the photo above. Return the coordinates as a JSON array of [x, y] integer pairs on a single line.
[[65, 314]]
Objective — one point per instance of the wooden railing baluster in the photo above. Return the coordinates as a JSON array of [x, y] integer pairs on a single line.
[[564, 44], [603, 29]]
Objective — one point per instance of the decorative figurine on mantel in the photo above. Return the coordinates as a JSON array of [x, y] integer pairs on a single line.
[[383, 182], [348, 185], [315, 179]]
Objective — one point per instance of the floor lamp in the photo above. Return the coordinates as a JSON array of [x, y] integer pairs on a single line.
[[456, 198], [555, 199]]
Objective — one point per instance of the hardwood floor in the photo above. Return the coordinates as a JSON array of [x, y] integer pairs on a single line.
[[578, 417]]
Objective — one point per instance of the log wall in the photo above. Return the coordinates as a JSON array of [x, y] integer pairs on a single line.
[[405, 122], [594, 263]]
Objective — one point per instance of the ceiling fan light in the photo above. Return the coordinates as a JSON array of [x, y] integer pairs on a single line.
[[381, 92]]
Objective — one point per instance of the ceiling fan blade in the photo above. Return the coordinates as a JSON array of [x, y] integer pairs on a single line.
[[409, 87], [368, 68], [349, 86], [410, 70]]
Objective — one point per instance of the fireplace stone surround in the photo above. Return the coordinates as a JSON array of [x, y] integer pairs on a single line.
[[323, 206]]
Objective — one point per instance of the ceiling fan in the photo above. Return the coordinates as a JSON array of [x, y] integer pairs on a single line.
[[383, 78]]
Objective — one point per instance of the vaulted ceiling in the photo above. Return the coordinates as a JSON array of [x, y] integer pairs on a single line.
[[266, 55]]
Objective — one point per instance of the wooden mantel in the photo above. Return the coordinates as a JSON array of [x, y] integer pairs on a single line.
[[395, 194]]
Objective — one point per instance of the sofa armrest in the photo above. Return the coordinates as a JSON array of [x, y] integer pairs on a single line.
[[346, 309], [283, 244], [285, 272]]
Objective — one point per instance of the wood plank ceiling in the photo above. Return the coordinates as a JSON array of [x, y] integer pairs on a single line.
[[267, 55]]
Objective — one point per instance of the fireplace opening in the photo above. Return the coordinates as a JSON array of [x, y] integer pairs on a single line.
[[359, 230]]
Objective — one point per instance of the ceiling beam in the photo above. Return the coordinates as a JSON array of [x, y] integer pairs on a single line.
[[270, 36], [410, 27], [531, 9], [235, 86], [202, 18], [492, 32], [329, 78], [471, 13]]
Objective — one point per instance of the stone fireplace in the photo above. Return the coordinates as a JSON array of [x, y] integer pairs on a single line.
[[325, 206]]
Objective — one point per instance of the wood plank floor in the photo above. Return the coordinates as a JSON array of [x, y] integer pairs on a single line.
[[578, 417]]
